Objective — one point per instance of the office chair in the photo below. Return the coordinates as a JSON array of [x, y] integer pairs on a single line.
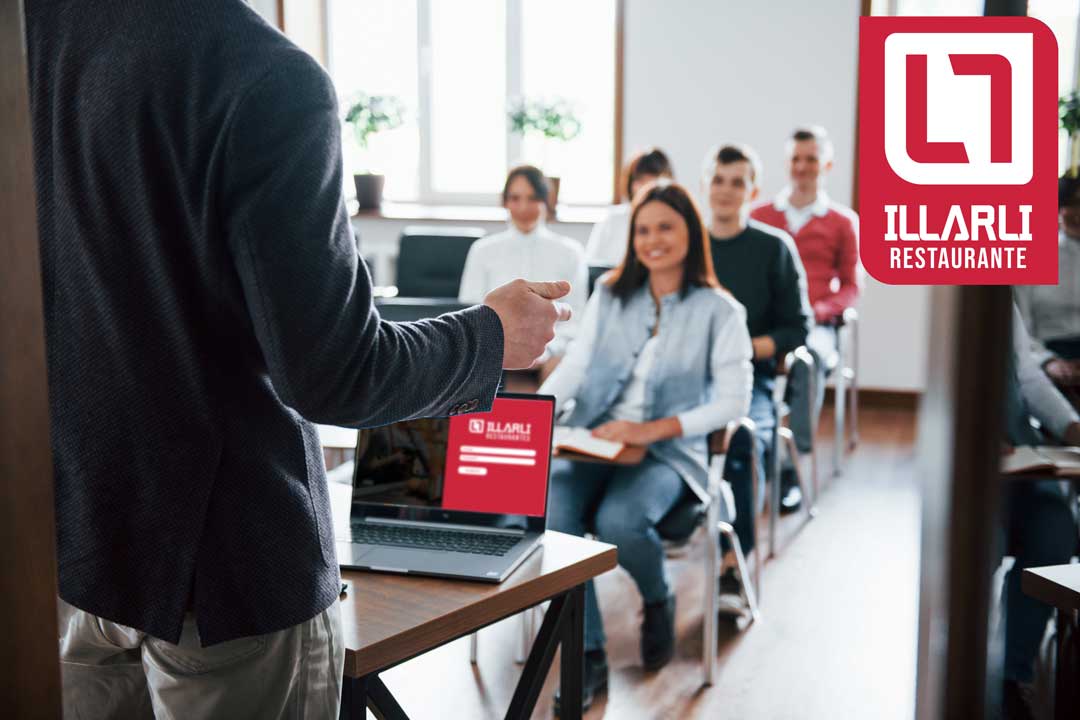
[[783, 434], [677, 529], [431, 260], [595, 271], [848, 374]]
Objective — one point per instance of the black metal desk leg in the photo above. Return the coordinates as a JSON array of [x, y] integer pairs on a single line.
[[1066, 693], [572, 659], [353, 699], [357, 694]]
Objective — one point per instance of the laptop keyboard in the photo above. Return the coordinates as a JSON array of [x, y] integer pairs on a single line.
[[426, 539]]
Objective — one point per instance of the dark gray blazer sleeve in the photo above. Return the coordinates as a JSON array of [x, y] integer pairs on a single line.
[[327, 352]]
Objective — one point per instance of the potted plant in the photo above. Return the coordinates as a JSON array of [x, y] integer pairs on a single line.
[[368, 115], [551, 121], [1069, 108]]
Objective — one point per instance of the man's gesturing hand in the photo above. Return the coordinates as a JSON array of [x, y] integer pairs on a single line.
[[528, 315]]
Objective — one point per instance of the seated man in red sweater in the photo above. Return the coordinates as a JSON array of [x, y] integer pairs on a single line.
[[827, 236]]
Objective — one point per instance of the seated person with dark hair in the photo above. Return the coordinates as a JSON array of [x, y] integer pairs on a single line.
[[527, 248], [607, 242], [760, 266], [661, 360], [1039, 525], [1052, 312]]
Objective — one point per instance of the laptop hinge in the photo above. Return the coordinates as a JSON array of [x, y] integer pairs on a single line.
[[428, 524]]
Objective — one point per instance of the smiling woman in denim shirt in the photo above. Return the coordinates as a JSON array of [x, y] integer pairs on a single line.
[[662, 358]]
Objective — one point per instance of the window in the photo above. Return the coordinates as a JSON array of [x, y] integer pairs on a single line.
[[458, 67], [1061, 16]]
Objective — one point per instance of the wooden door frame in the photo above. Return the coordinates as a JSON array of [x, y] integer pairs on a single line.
[[29, 661]]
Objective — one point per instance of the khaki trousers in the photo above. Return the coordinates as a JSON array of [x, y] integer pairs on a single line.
[[114, 671]]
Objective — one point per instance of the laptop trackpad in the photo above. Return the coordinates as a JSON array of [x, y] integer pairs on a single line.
[[398, 559]]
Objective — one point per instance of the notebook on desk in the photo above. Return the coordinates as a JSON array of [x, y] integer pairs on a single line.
[[1042, 460], [580, 440], [463, 497]]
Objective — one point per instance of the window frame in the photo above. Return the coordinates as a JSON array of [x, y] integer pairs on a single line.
[[427, 195]]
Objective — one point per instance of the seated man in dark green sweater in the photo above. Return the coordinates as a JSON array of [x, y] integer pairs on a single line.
[[760, 266]]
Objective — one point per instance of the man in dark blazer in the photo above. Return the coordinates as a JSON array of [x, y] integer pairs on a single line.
[[205, 304]]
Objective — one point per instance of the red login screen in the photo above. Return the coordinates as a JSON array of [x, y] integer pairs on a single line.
[[497, 462]]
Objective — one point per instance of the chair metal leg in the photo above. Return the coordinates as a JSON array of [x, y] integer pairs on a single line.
[[839, 408], [754, 480], [473, 647], [854, 325], [746, 589], [712, 575], [525, 620], [793, 450], [774, 486]]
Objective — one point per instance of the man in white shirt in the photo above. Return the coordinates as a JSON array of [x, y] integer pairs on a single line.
[[527, 248], [1052, 312]]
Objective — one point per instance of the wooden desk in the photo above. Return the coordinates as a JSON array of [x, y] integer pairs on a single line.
[[1059, 586], [388, 619]]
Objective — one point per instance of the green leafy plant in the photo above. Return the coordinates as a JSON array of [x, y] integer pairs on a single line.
[[371, 114], [554, 119], [1069, 111]]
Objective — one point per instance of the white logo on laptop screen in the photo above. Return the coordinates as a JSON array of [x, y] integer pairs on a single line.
[[958, 108], [477, 459]]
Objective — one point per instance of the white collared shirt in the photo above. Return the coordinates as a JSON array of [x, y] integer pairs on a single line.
[[537, 255], [797, 217], [1052, 312]]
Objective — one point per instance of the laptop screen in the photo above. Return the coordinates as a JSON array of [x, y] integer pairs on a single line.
[[493, 462]]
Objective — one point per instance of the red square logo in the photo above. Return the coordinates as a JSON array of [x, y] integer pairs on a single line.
[[958, 151]]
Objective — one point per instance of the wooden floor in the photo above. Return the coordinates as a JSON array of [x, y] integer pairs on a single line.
[[836, 639]]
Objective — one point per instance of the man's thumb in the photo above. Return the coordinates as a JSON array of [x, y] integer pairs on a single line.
[[550, 290]]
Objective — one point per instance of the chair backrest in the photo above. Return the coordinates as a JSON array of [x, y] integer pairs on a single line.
[[431, 260], [595, 271], [401, 309]]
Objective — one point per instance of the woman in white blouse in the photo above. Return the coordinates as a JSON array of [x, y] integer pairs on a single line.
[[528, 249], [662, 358], [607, 242]]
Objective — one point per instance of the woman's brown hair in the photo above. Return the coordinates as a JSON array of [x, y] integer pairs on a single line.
[[649, 162], [698, 266]]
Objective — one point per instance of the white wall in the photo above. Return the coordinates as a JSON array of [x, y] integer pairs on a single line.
[[701, 73]]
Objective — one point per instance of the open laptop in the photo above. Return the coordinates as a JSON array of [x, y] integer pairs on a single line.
[[461, 497]]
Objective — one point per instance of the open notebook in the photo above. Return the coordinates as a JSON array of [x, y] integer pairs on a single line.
[[1042, 459], [580, 440]]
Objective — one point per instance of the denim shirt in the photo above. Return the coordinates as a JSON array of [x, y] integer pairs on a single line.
[[700, 335]]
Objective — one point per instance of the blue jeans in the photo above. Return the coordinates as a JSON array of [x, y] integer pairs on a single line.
[[621, 505], [737, 470], [1039, 530]]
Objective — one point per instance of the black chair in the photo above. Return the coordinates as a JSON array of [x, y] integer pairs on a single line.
[[676, 529], [783, 439], [431, 260], [595, 271], [680, 524], [407, 309], [847, 387]]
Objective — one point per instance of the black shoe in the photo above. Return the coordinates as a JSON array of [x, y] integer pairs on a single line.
[[658, 634], [596, 680], [730, 583], [790, 493], [1017, 701]]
